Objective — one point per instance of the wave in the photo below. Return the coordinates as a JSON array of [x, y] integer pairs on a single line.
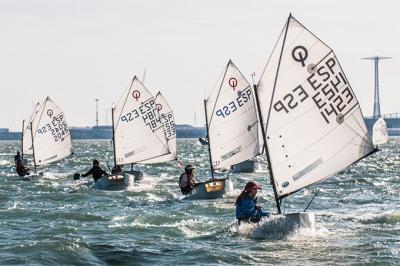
[[5, 163], [389, 217]]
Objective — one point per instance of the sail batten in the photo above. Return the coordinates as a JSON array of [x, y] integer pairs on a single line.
[[314, 126], [233, 124]]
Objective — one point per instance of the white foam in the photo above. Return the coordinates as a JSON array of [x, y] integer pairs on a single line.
[[5, 163]]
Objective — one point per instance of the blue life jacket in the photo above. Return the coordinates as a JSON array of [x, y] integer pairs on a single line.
[[246, 210]]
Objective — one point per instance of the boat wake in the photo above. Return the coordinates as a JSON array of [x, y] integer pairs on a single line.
[[279, 227]]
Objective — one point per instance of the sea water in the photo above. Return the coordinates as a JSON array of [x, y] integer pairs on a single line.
[[54, 220]]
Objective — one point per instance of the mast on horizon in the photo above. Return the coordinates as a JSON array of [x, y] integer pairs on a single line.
[[377, 104], [97, 112]]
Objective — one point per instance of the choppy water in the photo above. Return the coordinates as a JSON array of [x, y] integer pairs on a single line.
[[56, 220]]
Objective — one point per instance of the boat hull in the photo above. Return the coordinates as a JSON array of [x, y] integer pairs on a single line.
[[114, 182], [211, 189], [248, 166]]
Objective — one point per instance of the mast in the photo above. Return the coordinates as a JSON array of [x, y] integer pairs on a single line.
[[278, 204], [113, 135], [208, 143], [22, 139], [33, 149], [269, 113]]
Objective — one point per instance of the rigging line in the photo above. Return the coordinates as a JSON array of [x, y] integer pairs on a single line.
[[348, 82], [283, 202], [355, 131], [219, 91], [311, 32], [284, 70], [126, 99], [40, 118], [303, 83], [312, 199], [270, 56], [359, 124]]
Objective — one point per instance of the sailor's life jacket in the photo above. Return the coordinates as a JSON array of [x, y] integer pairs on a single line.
[[246, 210], [20, 168], [186, 183]]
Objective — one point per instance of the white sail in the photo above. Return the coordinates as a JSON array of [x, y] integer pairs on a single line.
[[51, 138], [26, 132], [138, 130], [168, 122], [232, 117], [379, 132], [314, 124]]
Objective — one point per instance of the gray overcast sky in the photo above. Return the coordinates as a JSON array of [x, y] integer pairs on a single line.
[[76, 51]]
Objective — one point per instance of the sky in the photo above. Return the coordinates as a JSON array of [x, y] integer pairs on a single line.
[[77, 51]]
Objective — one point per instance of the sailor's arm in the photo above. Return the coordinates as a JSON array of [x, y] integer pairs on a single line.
[[88, 173]]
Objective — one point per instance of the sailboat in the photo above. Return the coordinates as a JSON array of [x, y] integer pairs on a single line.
[[168, 123], [232, 128], [50, 136], [26, 136], [138, 134], [380, 132], [313, 126]]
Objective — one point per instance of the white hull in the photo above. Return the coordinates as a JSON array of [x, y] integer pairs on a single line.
[[114, 182], [248, 166], [211, 189]]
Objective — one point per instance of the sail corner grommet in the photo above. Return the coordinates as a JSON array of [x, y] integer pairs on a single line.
[[340, 118], [311, 68]]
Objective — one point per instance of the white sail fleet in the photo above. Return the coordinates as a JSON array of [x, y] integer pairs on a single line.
[[302, 114]]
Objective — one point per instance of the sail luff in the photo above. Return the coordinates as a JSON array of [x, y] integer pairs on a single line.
[[219, 91], [278, 205], [33, 149], [113, 135], [267, 152], [277, 73], [208, 143], [22, 139], [126, 98]]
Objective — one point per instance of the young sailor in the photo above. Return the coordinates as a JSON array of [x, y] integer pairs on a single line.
[[16, 157], [19, 165], [116, 169], [187, 180], [247, 209], [96, 171]]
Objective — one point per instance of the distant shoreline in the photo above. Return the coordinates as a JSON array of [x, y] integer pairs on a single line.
[[105, 132]]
